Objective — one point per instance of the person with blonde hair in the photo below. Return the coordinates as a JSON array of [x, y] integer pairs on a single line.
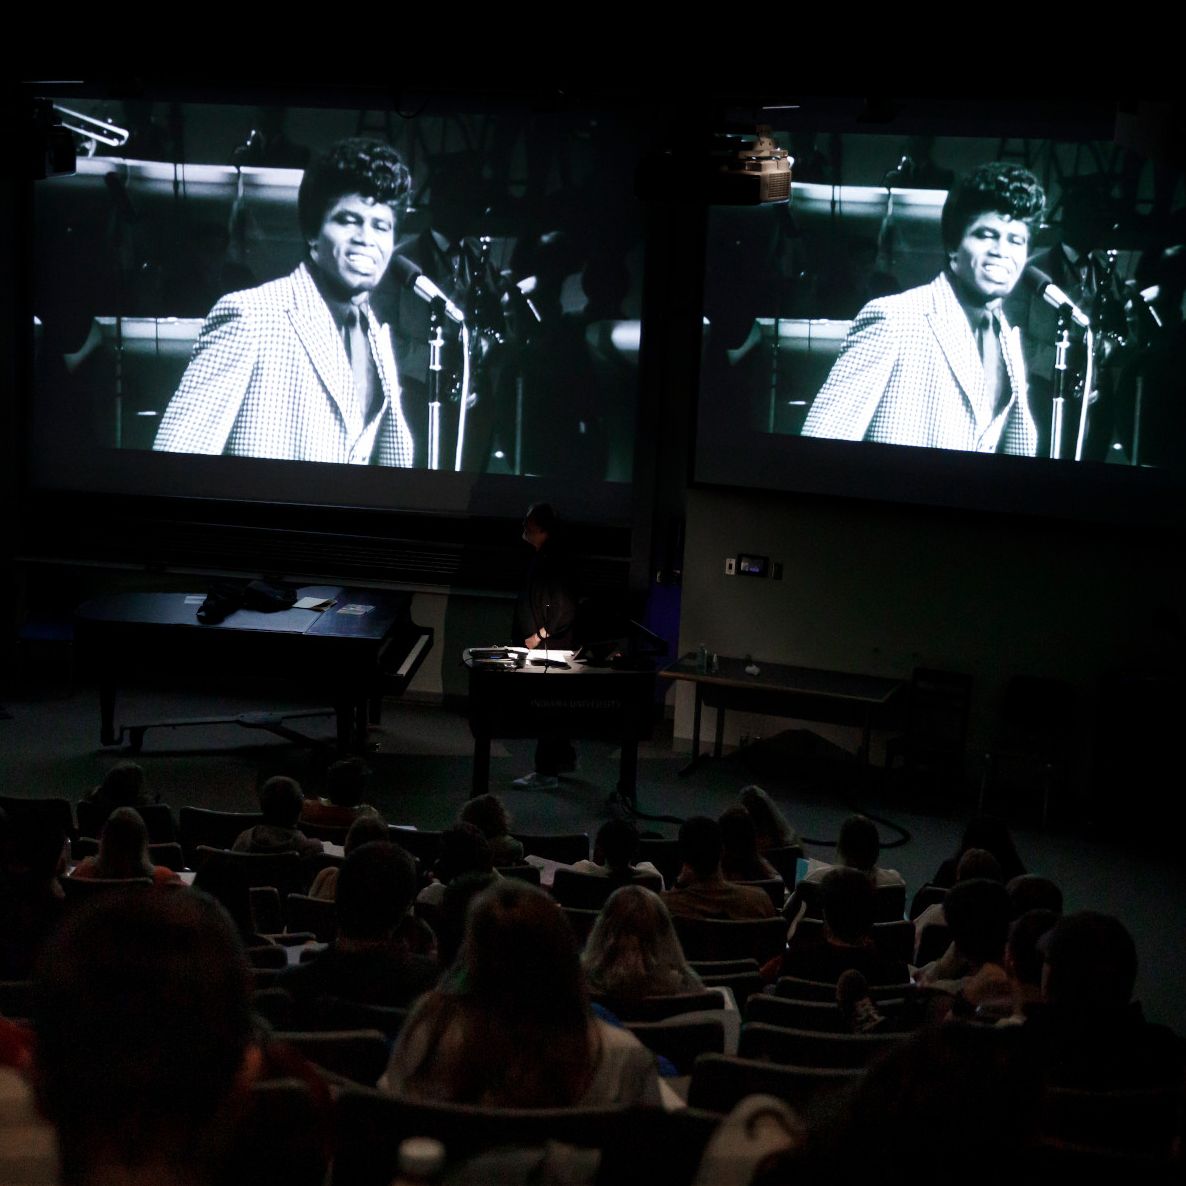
[[633, 950]]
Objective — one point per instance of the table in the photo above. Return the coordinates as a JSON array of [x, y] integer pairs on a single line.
[[363, 646], [806, 693], [575, 700]]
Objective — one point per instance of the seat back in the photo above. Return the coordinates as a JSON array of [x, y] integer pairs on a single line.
[[40, 815], [811, 1048], [157, 817], [338, 1013], [889, 901], [663, 854], [360, 1055], [215, 829], [742, 985], [590, 891], [681, 1040], [319, 915], [371, 1124], [285, 871], [798, 989], [657, 1008], [720, 1082], [714, 939], [565, 847]]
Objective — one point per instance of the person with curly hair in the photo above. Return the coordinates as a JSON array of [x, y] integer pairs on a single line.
[[300, 368], [939, 366]]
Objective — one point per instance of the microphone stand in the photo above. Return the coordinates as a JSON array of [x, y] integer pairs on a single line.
[[1062, 347], [436, 342]]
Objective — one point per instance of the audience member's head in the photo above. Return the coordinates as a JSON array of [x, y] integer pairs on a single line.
[[122, 786], [991, 833], [1023, 959], [449, 923], [369, 827], [772, 827], [513, 1028], [1091, 962], [859, 845], [616, 844], [977, 913], [739, 843], [280, 800], [700, 845], [375, 889], [488, 814], [521, 955], [962, 1096], [144, 1024], [633, 950], [847, 899], [123, 846], [346, 781], [978, 863], [463, 850], [1028, 891]]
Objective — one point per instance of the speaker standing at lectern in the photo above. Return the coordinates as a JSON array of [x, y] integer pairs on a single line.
[[544, 616]]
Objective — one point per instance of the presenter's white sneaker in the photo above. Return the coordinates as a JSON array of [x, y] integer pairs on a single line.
[[536, 782]]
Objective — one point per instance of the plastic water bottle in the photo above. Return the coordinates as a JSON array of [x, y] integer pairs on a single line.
[[421, 1162]]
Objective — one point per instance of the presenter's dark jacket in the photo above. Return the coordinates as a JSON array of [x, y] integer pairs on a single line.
[[547, 598]]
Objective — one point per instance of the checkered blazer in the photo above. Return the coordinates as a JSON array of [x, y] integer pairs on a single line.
[[269, 377], [910, 373]]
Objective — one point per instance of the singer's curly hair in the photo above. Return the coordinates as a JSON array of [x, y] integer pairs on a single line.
[[355, 166], [997, 187]]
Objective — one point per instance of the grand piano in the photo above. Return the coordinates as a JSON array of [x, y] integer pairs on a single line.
[[362, 646]]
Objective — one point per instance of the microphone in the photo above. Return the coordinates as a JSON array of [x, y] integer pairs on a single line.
[[1144, 298], [1054, 296], [412, 276]]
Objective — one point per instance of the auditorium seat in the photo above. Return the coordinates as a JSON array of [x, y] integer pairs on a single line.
[[565, 847], [360, 1055], [589, 891], [214, 829], [371, 1124], [720, 1082], [812, 1048], [158, 820], [681, 1040], [710, 938]]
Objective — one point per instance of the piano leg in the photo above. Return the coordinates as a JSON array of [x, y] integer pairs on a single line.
[[107, 713], [481, 767], [628, 773]]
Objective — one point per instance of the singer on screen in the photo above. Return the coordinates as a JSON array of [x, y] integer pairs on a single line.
[[300, 368], [939, 366]]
